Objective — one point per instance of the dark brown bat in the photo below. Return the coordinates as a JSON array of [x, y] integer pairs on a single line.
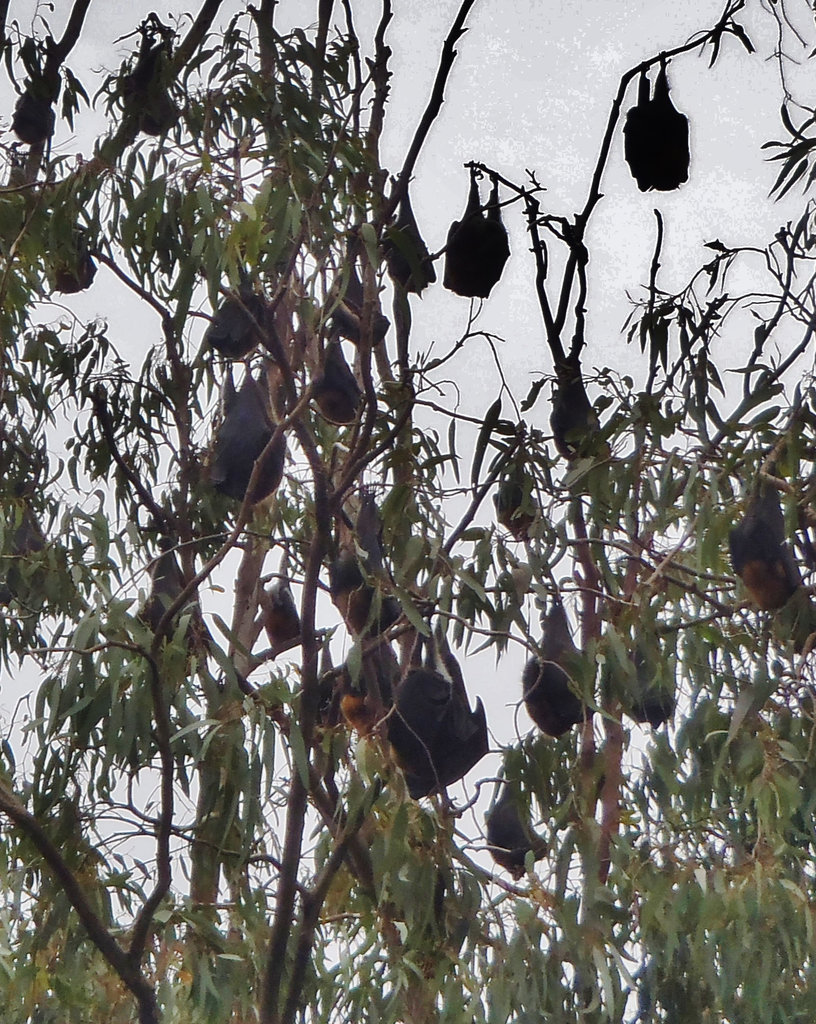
[[34, 119], [477, 246], [167, 583], [760, 555], [652, 701], [548, 697], [656, 138], [27, 539], [365, 701], [435, 735], [349, 310], [145, 89], [241, 439], [573, 420], [280, 615], [406, 254], [237, 326], [76, 272], [515, 507], [509, 838], [336, 391]]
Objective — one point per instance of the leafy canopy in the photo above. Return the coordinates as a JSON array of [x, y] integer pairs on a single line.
[[193, 829]]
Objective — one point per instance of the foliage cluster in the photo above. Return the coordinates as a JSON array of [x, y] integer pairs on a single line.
[[192, 830]]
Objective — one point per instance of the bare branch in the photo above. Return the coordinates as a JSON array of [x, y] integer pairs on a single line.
[[434, 106], [71, 34], [194, 37], [324, 13]]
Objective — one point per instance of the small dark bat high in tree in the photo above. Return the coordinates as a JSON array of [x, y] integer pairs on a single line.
[[515, 505], [336, 391], [406, 254], [760, 555], [237, 326], [280, 615], [34, 119], [75, 273], [145, 89], [245, 432], [435, 735], [509, 838], [653, 700], [477, 246], [357, 600], [167, 583], [26, 539], [656, 138], [548, 696], [346, 318], [573, 421], [70, 280]]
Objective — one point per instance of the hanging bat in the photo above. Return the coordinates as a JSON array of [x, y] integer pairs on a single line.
[[245, 432], [34, 119], [407, 258], [515, 506], [760, 555], [166, 584], [335, 390], [652, 701], [656, 138], [477, 246], [145, 90], [509, 838], [548, 696], [435, 735], [573, 420], [349, 310], [237, 326], [280, 615]]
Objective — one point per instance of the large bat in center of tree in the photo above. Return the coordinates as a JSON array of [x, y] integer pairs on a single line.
[[436, 737], [656, 138], [241, 440], [477, 247]]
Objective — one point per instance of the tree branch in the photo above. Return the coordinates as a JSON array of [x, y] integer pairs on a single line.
[[653, 271], [324, 13], [194, 37], [270, 1012], [595, 194], [164, 828], [71, 34], [126, 968], [4, 6], [106, 423], [312, 903], [432, 110]]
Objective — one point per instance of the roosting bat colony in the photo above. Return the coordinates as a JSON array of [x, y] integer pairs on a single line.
[[419, 703]]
